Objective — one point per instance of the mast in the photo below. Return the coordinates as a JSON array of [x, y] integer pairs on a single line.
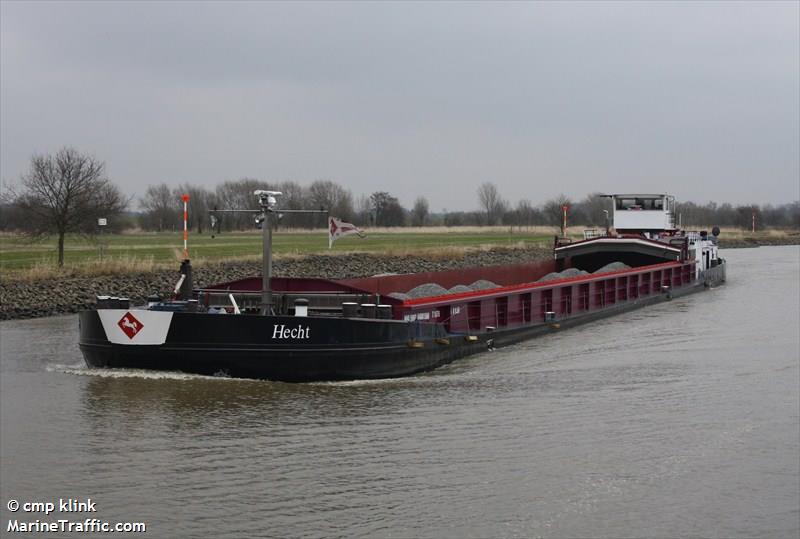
[[268, 201]]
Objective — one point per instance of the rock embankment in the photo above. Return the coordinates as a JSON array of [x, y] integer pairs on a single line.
[[30, 299]]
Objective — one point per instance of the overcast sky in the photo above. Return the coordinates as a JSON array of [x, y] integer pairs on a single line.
[[697, 99]]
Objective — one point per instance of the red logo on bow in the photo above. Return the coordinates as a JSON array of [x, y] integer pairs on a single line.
[[130, 325]]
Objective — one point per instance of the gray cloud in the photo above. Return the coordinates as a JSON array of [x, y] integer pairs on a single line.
[[699, 99]]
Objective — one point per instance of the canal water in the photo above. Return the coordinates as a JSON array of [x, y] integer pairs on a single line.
[[679, 420]]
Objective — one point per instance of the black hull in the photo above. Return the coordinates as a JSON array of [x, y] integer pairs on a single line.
[[334, 349]]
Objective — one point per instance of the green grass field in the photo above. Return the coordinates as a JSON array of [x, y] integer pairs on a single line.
[[21, 257], [19, 253]]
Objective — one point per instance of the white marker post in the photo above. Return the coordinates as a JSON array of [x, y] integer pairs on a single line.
[[185, 199]]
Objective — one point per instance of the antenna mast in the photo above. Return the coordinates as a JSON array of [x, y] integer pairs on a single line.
[[267, 200]]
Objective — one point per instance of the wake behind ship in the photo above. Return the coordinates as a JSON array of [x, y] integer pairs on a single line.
[[385, 326]]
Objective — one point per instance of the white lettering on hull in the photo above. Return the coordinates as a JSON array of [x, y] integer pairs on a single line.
[[421, 316], [280, 331]]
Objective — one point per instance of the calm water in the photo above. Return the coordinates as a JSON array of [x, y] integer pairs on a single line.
[[679, 420]]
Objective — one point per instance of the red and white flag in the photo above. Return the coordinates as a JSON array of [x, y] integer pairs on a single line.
[[338, 228]]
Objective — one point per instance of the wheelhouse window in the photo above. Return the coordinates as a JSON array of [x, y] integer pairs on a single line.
[[640, 204]]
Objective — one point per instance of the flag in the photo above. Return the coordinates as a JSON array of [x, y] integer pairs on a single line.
[[337, 228]]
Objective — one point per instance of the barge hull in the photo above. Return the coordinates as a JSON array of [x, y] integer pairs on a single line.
[[342, 349]]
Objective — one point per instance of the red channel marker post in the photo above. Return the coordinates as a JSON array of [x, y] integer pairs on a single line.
[[185, 199]]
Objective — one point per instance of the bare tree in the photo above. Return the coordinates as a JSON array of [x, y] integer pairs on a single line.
[[67, 192], [387, 209], [553, 210], [363, 211], [161, 208], [11, 217], [749, 217], [296, 197], [419, 214], [491, 202], [526, 214], [595, 208], [332, 197], [238, 195]]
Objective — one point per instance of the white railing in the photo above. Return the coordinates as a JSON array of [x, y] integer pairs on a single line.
[[693, 237]]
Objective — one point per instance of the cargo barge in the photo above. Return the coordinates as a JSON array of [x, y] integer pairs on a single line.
[[299, 330]]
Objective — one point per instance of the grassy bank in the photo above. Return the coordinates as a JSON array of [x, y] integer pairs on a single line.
[[131, 252], [22, 258]]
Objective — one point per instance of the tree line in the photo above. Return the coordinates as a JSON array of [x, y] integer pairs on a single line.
[[159, 210], [69, 191]]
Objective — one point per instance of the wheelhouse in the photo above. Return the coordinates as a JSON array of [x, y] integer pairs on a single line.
[[642, 213]]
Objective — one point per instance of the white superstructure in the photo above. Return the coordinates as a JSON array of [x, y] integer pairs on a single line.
[[703, 248], [643, 212], [653, 216]]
